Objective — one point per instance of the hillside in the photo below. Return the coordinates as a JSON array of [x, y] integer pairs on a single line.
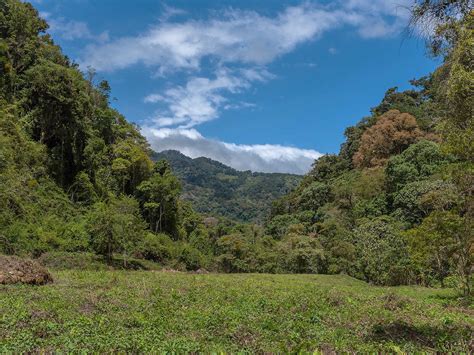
[[217, 189]]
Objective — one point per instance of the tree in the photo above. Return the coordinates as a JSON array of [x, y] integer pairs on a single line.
[[328, 167], [418, 102], [409, 203], [131, 165], [314, 196], [457, 92], [115, 226], [58, 116], [233, 250], [452, 38], [442, 16], [419, 161], [159, 200], [381, 253], [82, 190], [302, 254], [442, 244], [391, 134], [20, 29]]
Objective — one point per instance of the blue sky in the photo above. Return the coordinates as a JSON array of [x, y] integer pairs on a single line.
[[259, 85]]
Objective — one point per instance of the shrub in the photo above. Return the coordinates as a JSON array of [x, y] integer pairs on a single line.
[[156, 247]]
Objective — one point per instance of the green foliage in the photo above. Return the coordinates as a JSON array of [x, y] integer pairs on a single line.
[[156, 247], [442, 244], [457, 91], [278, 225], [233, 249], [328, 167], [419, 161], [408, 202], [314, 196], [219, 190], [159, 200], [381, 254], [190, 257], [302, 254], [115, 226], [408, 166], [75, 176]]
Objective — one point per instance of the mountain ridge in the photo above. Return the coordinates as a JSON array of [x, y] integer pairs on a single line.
[[217, 189]]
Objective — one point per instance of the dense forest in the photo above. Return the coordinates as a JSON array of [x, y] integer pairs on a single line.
[[395, 206], [219, 190]]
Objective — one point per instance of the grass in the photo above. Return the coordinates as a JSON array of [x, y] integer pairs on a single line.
[[144, 311]]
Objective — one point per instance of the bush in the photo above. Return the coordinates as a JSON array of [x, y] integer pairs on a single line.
[[190, 257], [381, 253], [156, 247]]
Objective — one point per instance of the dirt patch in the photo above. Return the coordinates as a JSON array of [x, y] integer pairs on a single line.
[[17, 270], [327, 349], [392, 302], [171, 271], [201, 271], [245, 337], [335, 298]]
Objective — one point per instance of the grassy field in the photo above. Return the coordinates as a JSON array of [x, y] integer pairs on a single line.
[[142, 311]]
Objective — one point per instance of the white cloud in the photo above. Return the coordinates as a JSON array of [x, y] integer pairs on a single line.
[[260, 157], [201, 99], [170, 12], [378, 18], [71, 30], [236, 36]]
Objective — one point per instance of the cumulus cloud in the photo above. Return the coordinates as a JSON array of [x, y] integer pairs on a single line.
[[201, 99], [260, 157]]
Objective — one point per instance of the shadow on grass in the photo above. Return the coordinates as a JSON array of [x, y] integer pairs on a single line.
[[131, 264], [425, 336], [92, 262], [455, 300]]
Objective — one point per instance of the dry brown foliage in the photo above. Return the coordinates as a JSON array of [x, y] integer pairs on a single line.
[[393, 132], [16, 270]]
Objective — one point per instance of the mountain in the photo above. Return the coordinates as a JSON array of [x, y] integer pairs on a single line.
[[217, 189]]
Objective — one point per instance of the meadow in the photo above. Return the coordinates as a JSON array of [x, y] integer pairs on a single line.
[[151, 311]]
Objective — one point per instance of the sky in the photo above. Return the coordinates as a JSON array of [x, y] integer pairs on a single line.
[[258, 85]]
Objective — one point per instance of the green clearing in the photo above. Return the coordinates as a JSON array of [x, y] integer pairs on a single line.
[[143, 311]]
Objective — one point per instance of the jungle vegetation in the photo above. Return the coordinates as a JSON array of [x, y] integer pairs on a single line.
[[395, 206]]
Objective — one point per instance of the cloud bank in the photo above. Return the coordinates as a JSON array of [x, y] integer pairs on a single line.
[[259, 157]]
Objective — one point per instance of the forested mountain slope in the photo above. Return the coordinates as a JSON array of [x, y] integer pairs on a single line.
[[75, 176], [217, 189], [396, 204]]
